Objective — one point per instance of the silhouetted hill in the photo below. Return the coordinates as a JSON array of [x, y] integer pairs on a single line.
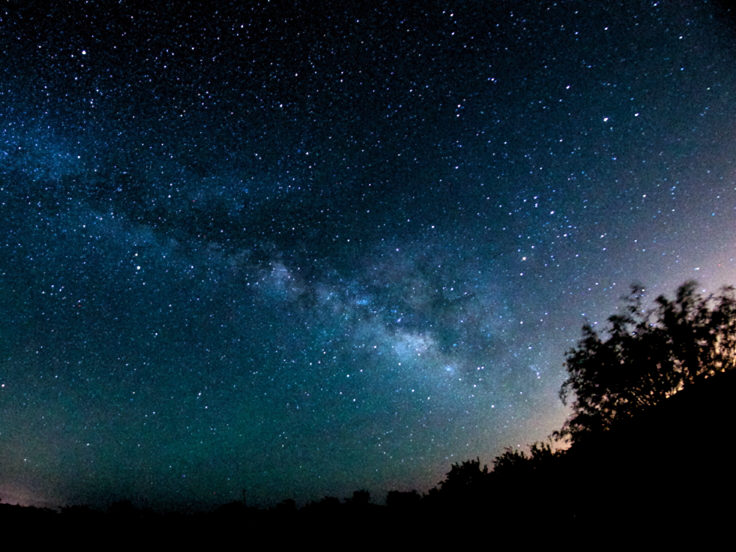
[[664, 474], [669, 468]]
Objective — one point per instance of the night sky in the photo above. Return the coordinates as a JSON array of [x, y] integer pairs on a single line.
[[304, 248]]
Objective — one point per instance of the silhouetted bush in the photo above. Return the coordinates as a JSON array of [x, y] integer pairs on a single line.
[[646, 356]]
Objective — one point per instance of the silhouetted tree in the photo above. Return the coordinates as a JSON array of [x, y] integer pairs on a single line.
[[124, 508], [403, 500], [646, 356], [462, 476], [326, 504], [359, 498], [465, 485], [514, 463], [286, 506]]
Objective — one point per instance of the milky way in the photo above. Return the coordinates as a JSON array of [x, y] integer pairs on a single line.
[[307, 249]]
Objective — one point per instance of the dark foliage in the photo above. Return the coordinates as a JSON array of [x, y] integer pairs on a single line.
[[466, 486], [359, 499], [286, 506], [515, 464], [646, 356], [659, 471], [403, 500]]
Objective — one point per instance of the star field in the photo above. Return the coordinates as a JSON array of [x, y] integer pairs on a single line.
[[305, 250]]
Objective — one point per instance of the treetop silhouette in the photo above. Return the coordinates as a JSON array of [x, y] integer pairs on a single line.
[[647, 355]]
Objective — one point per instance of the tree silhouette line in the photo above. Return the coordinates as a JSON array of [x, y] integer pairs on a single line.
[[653, 377]]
